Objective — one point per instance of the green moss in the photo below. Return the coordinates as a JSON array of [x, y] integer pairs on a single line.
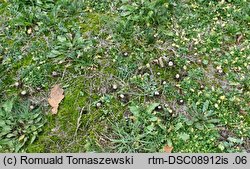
[[92, 22], [61, 128]]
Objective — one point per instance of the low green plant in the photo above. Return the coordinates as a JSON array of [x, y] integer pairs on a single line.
[[202, 117], [145, 132], [146, 83], [231, 145], [19, 126], [146, 12]]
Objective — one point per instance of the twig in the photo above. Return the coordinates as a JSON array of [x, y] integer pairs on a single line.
[[78, 121], [63, 74]]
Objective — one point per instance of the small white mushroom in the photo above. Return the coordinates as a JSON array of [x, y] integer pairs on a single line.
[[181, 101], [29, 31], [98, 104], [24, 92], [170, 63], [159, 107], [54, 74], [17, 84], [202, 87], [177, 76], [199, 61], [220, 71], [125, 54], [32, 107], [114, 86], [122, 96]]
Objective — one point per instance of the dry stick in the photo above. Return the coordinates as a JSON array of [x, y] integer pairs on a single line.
[[64, 71], [78, 121]]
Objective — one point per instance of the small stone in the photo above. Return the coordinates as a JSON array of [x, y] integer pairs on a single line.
[[164, 82], [156, 93], [158, 73], [24, 92], [159, 107]]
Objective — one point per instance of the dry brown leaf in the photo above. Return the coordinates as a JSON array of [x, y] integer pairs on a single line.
[[56, 96], [167, 149]]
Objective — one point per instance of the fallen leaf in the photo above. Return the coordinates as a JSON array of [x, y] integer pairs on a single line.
[[167, 149], [56, 96]]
